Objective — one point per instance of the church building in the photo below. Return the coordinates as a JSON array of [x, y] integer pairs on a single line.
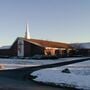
[[29, 47]]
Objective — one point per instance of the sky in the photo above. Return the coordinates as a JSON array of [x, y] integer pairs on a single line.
[[56, 20]]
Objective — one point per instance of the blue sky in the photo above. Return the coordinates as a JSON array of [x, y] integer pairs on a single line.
[[56, 20]]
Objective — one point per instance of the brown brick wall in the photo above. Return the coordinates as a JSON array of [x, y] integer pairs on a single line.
[[27, 49], [4, 52], [13, 50], [32, 49], [36, 50]]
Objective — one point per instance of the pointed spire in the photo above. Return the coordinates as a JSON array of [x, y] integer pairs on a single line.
[[27, 34]]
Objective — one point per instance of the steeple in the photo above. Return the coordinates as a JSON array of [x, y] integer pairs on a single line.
[[27, 34]]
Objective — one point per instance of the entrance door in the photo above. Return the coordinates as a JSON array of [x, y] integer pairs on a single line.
[[57, 53]]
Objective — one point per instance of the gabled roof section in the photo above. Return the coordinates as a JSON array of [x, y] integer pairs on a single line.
[[45, 43], [28, 40]]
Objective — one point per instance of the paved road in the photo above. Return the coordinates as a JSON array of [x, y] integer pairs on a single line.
[[12, 84], [19, 79]]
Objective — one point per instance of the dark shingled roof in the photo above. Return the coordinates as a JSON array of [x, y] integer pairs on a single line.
[[46, 43]]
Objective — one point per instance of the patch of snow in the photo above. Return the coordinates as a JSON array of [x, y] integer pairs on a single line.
[[82, 68], [14, 66], [77, 79], [17, 63]]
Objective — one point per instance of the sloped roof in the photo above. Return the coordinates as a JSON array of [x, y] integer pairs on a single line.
[[81, 45], [5, 47], [46, 43]]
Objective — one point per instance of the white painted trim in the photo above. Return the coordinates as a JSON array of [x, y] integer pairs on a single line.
[[20, 47]]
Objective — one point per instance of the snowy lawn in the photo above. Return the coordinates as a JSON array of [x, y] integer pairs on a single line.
[[78, 77], [18, 63]]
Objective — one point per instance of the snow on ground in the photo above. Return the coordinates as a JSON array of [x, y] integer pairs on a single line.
[[79, 76], [18, 63], [82, 68]]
